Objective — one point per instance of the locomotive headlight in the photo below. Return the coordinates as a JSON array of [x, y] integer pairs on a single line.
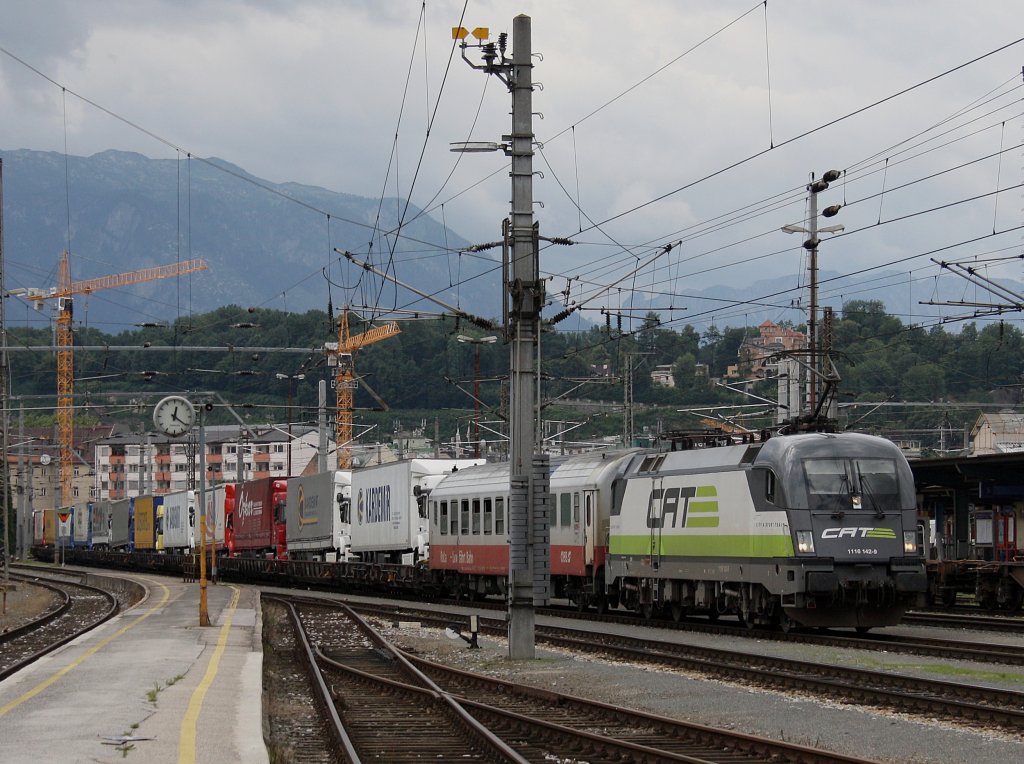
[[805, 542], [910, 542]]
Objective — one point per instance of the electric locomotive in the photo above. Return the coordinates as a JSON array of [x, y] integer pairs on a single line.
[[815, 529]]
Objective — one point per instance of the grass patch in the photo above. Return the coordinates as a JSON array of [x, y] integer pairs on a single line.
[[945, 669]]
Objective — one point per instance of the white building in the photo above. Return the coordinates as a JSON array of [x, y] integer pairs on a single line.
[[135, 465]]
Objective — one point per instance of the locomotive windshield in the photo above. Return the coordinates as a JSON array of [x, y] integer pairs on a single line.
[[852, 484]]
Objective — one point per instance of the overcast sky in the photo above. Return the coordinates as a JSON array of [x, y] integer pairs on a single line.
[[641, 101]]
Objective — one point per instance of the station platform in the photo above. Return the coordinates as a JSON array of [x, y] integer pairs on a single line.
[[150, 685]]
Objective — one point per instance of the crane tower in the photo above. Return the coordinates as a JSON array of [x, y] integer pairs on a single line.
[[64, 293], [345, 379]]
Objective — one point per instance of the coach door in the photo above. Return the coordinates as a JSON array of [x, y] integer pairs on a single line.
[[589, 518], [654, 522]]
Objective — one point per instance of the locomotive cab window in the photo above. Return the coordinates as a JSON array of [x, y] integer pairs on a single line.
[[769, 486], [854, 484]]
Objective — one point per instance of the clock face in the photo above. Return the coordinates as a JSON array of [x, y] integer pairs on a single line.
[[174, 416]]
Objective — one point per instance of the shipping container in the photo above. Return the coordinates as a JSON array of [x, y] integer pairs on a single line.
[[179, 521], [99, 521], [258, 520], [318, 516], [390, 518], [120, 524]]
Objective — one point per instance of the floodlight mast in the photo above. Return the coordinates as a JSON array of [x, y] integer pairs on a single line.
[[815, 187]]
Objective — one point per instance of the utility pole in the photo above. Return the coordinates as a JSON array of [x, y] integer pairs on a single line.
[[529, 542], [5, 482], [321, 422]]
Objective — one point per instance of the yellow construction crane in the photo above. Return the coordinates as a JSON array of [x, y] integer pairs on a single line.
[[345, 379], [63, 293]]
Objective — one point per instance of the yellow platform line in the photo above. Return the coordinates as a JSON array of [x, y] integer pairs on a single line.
[[187, 740], [87, 654]]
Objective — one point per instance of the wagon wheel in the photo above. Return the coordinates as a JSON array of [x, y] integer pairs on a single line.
[[677, 611], [601, 604], [647, 610], [1016, 599], [987, 600]]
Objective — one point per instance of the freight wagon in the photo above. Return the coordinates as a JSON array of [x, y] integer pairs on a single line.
[[120, 524], [257, 524], [319, 525], [216, 510], [144, 526], [390, 523], [44, 527], [179, 521], [99, 522], [81, 535]]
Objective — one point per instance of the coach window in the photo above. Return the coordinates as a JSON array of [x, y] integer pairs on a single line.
[[465, 517], [441, 516], [454, 514], [476, 517], [499, 516], [488, 516], [576, 508], [565, 502]]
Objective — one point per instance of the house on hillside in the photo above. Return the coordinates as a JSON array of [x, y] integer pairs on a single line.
[[998, 433], [662, 375], [770, 340]]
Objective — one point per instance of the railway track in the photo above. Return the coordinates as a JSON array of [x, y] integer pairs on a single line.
[[980, 652], [79, 608], [399, 708], [1001, 623], [967, 704]]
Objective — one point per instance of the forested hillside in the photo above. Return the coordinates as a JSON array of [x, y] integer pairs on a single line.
[[419, 373]]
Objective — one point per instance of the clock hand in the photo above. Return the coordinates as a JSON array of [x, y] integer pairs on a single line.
[[174, 415]]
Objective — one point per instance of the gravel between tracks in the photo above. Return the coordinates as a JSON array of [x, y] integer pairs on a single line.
[[792, 717]]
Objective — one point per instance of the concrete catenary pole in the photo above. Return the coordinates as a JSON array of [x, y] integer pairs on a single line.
[[528, 521]]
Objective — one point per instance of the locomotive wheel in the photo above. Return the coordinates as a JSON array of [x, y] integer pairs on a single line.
[[786, 624], [581, 603], [601, 604]]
